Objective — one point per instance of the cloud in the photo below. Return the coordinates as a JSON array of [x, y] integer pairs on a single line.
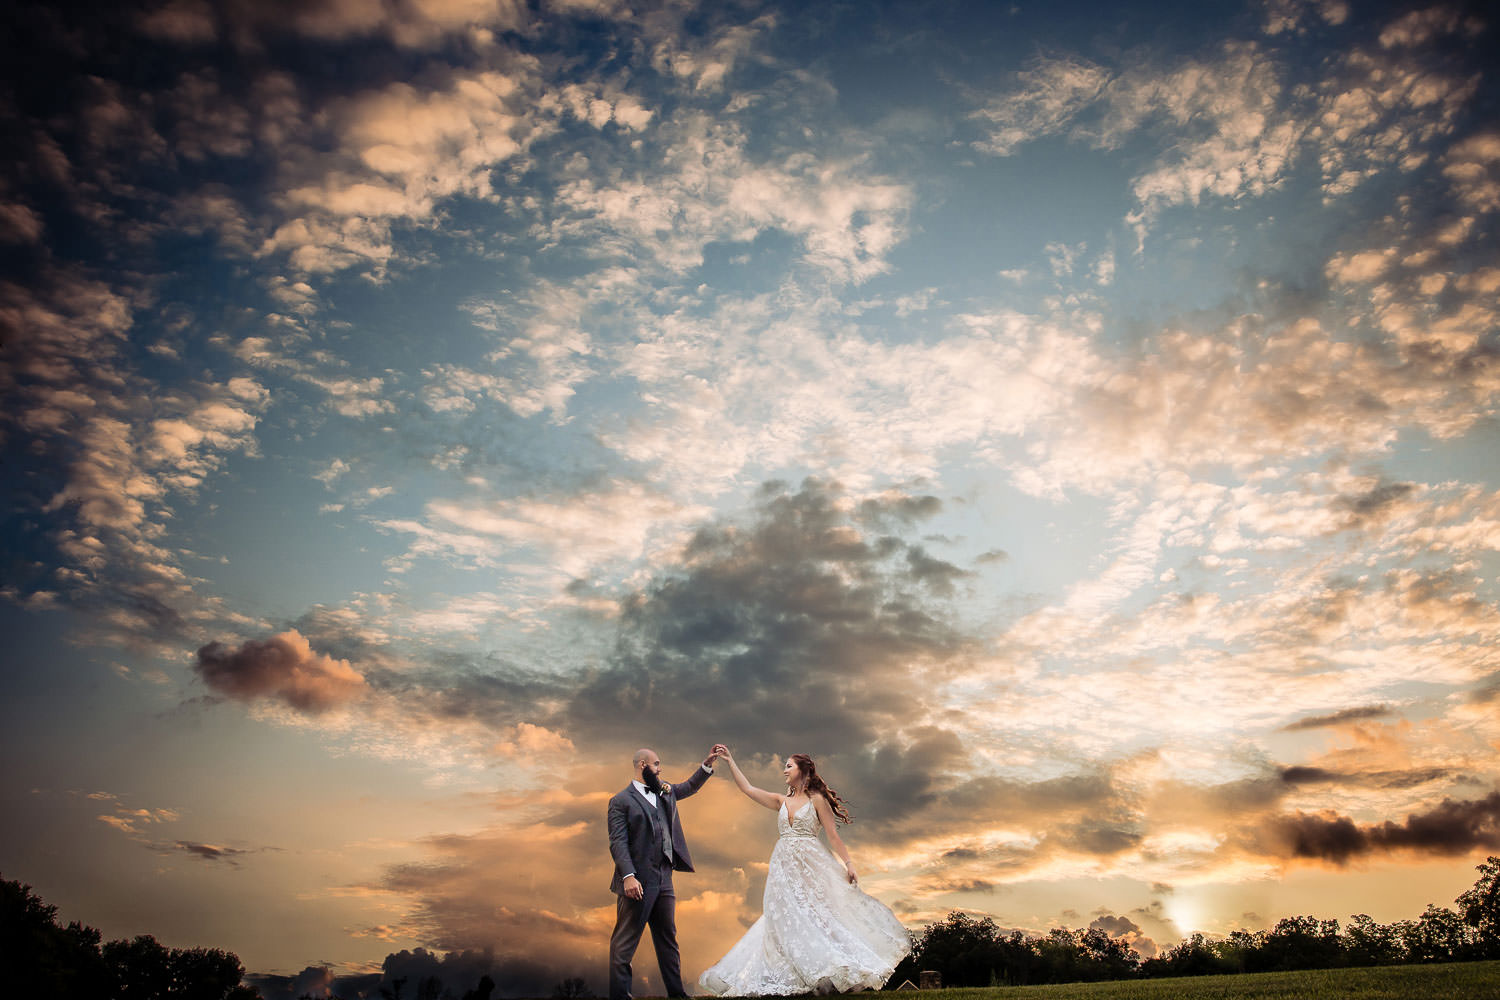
[[706, 187], [185, 22], [799, 598], [1473, 168], [111, 451], [210, 852], [1339, 718], [1450, 828], [1047, 97], [389, 156], [284, 668], [1238, 122], [413, 24], [1126, 930], [573, 536]]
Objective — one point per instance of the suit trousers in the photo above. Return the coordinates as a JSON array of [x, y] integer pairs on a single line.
[[657, 910]]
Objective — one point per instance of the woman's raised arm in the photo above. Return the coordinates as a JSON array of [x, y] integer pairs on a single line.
[[768, 799]]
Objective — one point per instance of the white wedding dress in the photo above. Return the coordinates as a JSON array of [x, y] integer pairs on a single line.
[[817, 933]]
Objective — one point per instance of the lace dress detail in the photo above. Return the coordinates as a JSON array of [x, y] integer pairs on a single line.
[[817, 933]]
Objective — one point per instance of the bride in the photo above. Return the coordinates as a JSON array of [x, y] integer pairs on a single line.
[[819, 933]]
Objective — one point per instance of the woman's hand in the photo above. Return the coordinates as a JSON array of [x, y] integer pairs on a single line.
[[849, 870], [722, 752]]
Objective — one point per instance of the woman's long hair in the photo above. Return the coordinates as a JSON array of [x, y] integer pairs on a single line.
[[812, 782]]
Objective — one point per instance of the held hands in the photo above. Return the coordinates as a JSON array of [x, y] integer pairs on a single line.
[[720, 751], [633, 887]]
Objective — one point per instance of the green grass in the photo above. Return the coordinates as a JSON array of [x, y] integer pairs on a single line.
[[1455, 981]]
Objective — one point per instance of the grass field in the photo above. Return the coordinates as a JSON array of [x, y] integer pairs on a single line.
[[1456, 981]]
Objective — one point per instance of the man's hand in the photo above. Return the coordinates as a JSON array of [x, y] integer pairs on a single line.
[[633, 887], [718, 751]]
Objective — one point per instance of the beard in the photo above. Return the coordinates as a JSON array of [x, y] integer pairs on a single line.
[[651, 780]]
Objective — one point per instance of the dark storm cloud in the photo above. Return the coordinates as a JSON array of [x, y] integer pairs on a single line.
[[1305, 775], [1452, 827], [1358, 714], [796, 631]]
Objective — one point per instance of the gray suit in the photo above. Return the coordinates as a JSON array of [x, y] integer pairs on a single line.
[[638, 835]]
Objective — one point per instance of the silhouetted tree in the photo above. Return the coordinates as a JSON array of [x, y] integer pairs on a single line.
[[960, 948], [1479, 908], [1368, 943], [1105, 957], [572, 988], [482, 991], [143, 969], [1192, 956], [43, 959], [1300, 943], [1438, 935], [1061, 957], [1236, 952]]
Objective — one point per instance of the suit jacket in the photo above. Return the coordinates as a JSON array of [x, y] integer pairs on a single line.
[[633, 838]]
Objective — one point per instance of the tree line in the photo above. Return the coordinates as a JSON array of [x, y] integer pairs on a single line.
[[46, 960], [970, 951]]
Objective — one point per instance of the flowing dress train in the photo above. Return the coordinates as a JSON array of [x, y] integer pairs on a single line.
[[816, 933]]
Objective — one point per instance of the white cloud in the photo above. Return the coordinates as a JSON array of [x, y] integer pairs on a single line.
[[399, 152], [709, 189], [566, 537], [1044, 102]]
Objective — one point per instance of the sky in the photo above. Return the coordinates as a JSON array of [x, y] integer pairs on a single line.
[[1072, 425]]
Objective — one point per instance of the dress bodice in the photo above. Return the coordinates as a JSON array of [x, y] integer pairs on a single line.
[[803, 824]]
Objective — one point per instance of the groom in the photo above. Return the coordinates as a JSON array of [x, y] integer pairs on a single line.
[[645, 839]]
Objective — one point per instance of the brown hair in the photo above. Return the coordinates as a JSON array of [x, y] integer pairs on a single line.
[[813, 782]]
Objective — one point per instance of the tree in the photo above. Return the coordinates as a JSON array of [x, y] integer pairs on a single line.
[[1368, 943], [1437, 936], [1192, 956], [569, 989], [1237, 952], [483, 990], [959, 947], [1301, 943], [1479, 908], [141, 968], [1106, 957], [45, 960]]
